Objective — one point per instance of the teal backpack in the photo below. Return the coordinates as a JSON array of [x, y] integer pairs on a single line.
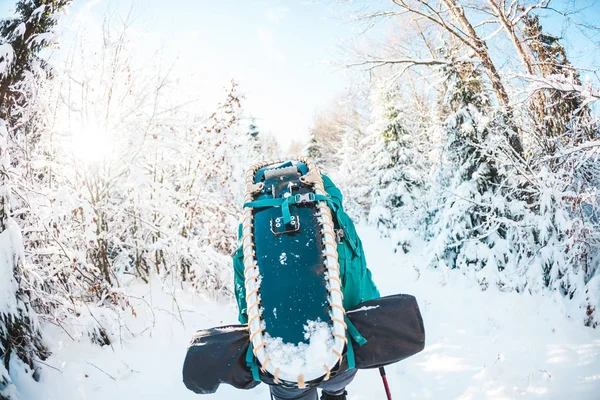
[[357, 284], [300, 279], [299, 259]]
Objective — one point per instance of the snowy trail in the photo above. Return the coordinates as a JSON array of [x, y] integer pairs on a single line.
[[480, 345]]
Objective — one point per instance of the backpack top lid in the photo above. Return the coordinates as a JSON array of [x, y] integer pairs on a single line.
[[281, 169], [291, 271]]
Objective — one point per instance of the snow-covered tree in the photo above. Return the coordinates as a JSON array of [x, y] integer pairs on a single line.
[[397, 166], [313, 148], [120, 179], [255, 140], [555, 112], [22, 37], [352, 174], [261, 145], [508, 221], [511, 197], [470, 204], [20, 338]]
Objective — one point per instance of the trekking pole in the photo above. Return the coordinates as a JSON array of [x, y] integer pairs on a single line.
[[385, 383]]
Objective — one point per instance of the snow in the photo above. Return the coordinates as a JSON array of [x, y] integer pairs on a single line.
[[302, 358], [231, 329], [19, 30], [8, 285], [7, 55], [480, 344], [38, 11], [364, 308], [11, 248]]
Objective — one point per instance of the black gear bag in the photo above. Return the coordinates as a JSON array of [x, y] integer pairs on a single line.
[[392, 326]]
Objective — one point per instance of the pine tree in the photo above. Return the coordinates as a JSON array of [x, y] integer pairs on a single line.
[[21, 40], [396, 167], [554, 111], [312, 148], [254, 141], [260, 146], [567, 221], [463, 230]]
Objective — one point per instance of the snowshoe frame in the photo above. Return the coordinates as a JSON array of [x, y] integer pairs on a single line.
[[332, 274]]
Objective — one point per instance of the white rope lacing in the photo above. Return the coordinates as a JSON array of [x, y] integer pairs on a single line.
[[332, 274]]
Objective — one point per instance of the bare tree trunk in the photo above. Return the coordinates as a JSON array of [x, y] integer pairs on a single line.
[[538, 102], [510, 30], [480, 47]]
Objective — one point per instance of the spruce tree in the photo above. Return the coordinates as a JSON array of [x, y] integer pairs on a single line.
[[312, 148], [254, 143], [463, 230], [21, 40], [556, 112], [396, 166]]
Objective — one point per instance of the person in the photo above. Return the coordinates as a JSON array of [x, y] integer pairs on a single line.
[[333, 389], [358, 287]]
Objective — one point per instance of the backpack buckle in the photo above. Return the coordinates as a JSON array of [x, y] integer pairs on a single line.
[[278, 227], [339, 235], [304, 198]]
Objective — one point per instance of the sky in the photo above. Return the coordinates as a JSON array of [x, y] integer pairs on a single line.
[[279, 52], [276, 50]]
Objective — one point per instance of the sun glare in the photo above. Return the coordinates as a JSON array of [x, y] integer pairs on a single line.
[[92, 146]]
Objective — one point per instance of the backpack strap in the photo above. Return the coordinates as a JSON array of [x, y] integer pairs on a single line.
[[354, 333], [350, 356], [252, 364], [286, 202]]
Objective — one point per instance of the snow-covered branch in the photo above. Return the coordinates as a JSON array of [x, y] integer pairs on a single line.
[[380, 62], [542, 4], [562, 84]]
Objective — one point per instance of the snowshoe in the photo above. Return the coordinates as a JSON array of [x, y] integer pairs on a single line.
[[293, 286]]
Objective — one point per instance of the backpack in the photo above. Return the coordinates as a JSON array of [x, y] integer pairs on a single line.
[[311, 265], [357, 283], [295, 228]]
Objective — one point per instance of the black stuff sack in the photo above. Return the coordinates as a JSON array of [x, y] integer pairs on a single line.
[[215, 356], [392, 326]]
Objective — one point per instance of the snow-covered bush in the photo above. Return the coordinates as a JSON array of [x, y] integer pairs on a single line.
[[122, 179]]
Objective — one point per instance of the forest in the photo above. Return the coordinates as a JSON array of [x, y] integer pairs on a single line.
[[468, 129]]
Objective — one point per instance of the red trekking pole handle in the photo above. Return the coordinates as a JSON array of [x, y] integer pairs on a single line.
[[385, 383]]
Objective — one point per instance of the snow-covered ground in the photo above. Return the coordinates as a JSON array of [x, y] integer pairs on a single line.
[[479, 345]]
